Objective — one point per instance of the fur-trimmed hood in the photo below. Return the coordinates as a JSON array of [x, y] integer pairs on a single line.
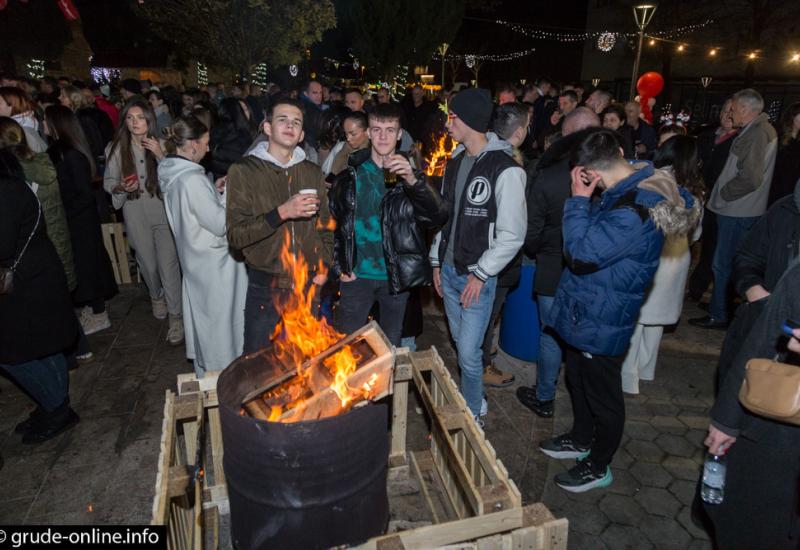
[[679, 212]]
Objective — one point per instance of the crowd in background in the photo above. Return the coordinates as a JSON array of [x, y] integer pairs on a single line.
[[182, 169]]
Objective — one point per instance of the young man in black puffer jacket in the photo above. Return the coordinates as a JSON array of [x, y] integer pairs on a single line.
[[379, 248]]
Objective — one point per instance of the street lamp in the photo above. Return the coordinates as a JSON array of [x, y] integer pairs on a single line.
[[443, 50], [643, 14]]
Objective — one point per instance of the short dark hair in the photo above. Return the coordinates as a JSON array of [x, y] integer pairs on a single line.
[[384, 112], [309, 83], [354, 91], [508, 118], [615, 108], [359, 117], [506, 87], [570, 94], [285, 101], [598, 150]]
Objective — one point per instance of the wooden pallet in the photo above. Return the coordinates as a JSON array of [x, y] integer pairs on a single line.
[[473, 502], [117, 247]]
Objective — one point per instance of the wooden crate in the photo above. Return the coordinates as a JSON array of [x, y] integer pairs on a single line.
[[473, 502], [117, 247]]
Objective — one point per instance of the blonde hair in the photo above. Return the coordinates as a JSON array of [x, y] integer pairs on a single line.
[[75, 96]]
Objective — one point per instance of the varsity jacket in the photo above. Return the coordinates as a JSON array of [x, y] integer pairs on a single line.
[[492, 218]]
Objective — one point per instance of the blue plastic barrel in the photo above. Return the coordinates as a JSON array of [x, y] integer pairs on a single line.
[[519, 331]]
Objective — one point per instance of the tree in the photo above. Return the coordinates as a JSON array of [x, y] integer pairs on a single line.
[[32, 30], [240, 33], [388, 33]]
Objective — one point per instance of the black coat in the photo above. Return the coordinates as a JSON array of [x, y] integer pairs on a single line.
[[405, 213], [547, 191], [760, 509], [36, 318], [768, 247], [227, 145], [787, 171], [92, 265], [712, 155], [98, 129]]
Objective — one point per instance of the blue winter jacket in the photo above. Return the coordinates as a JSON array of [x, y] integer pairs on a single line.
[[612, 249]]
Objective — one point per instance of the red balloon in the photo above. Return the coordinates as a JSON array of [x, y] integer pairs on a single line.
[[650, 84]]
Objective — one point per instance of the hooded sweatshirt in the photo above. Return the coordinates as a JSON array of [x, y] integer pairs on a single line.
[[257, 185]]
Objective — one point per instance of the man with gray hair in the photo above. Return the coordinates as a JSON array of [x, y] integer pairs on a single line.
[[548, 189], [739, 196], [599, 100]]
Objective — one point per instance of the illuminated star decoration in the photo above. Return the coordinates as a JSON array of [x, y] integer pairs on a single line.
[[469, 61], [293, 70], [606, 41]]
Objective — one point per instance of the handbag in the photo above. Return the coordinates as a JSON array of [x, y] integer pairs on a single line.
[[772, 389], [7, 273]]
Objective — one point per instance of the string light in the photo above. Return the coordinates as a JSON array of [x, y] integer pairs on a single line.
[[104, 75], [293, 70], [572, 36], [652, 42], [260, 75], [751, 55], [681, 47], [713, 52], [482, 57], [795, 58], [202, 74], [36, 68]]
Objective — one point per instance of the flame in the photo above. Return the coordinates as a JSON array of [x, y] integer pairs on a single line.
[[300, 336], [439, 157]]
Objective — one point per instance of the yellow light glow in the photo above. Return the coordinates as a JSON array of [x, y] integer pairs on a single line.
[[795, 58], [681, 48], [652, 42], [713, 52], [751, 55]]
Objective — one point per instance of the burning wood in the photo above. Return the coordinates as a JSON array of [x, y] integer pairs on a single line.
[[445, 146], [325, 373]]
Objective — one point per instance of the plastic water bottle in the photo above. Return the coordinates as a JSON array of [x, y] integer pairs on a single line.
[[713, 479]]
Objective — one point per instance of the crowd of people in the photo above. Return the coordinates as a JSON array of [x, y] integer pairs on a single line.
[[212, 184]]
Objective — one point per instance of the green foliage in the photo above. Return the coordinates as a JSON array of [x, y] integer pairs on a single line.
[[240, 33], [388, 33]]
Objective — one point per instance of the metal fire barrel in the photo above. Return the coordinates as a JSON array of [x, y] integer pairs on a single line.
[[304, 485]]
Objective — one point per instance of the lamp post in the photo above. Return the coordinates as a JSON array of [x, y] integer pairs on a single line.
[[443, 50], [643, 14]]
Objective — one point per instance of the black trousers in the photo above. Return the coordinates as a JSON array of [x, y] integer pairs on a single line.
[[598, 407], [356, 299]]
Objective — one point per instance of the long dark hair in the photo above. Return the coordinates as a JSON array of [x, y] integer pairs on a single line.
[[230, 112], [67, 131], [122, 141], [680, 152]]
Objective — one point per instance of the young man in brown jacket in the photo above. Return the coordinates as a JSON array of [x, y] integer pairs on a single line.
[[265, 206]]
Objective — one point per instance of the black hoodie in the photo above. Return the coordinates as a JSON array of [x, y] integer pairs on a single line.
[[547, 190]]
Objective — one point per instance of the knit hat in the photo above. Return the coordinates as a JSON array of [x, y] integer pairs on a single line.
[[474, 107]]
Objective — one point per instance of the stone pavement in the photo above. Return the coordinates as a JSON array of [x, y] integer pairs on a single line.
[[103, 471]]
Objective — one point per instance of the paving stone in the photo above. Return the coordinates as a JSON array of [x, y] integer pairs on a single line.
[[668, 425], [22, 474], [622, 459], [623, 537], [583, 541], [683, 490], [700, 544], [640, 430], [675, 445], [695, 421], [622, 510], [682, 468], [652, 475], [587, 518], [665, 533], [624, 483], [697, 437], [71, 490], [658, 501], [644, 451], [637, 411], [13, 512], [685, 519], [662, 407]]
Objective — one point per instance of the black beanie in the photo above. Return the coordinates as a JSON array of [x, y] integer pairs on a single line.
[[474, 107]]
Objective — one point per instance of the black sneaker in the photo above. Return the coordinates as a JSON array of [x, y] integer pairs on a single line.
[[562, 447], [527, 396], [583, 477], [28, 423], [50, 425]]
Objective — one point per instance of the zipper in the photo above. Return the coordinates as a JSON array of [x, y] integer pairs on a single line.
[[291, 223]]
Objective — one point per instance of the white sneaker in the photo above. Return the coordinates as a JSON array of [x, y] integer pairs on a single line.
[[484, 407], [94, 322], [159, 308], [479, 421], [175, 332]]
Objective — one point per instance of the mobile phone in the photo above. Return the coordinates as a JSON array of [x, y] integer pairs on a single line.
[[789, 326]]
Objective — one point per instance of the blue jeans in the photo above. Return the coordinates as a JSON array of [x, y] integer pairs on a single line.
[[730, 233], [549, 363], [467, 327], [46, 380]]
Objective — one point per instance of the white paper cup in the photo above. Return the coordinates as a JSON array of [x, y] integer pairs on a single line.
[[308, 192]]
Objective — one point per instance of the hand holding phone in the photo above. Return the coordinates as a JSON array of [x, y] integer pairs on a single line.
[[789, 326]]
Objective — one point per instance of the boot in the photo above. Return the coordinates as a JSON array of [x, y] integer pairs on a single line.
[[50, 424]]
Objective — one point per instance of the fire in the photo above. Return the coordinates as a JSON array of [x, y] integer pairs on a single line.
[[439, 157], [300, 336]]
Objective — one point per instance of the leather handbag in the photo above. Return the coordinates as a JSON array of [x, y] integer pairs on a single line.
[[772, 389], [7, 273]]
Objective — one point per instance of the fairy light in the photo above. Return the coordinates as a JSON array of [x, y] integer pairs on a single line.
[[260, 75], [652, 42], [751, 55], [713, 52], [104, 75], [202, 74], [566, 36], [481, 57], [795, 58], [606, 41], [681, 47], [36, 68]]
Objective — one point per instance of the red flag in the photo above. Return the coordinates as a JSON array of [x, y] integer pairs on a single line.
[[68, 9]]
